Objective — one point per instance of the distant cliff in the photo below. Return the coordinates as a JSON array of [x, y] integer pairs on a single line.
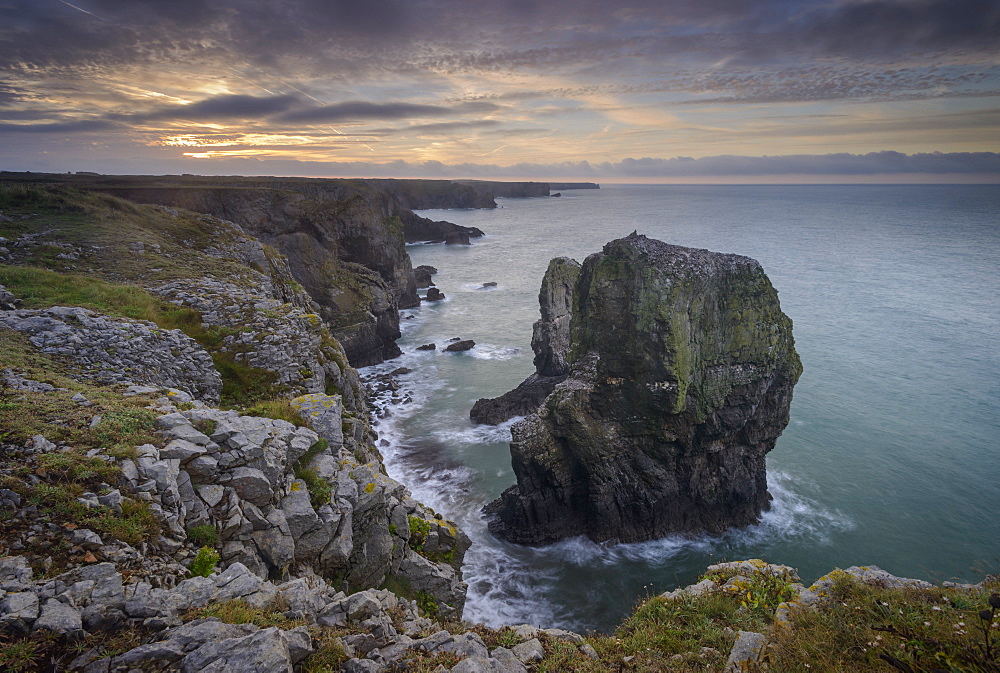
[[563, 186], [508, 189], [681, 373]]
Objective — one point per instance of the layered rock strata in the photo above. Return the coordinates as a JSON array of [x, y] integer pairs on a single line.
[[549, 341], [681, 373]]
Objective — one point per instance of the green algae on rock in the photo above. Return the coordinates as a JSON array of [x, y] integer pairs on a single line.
[[681, 374]]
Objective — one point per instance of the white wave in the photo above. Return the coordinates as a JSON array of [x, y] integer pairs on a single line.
[[493, 352], [477, 434]]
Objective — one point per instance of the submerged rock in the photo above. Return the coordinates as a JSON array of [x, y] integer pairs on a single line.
[[681, 373]]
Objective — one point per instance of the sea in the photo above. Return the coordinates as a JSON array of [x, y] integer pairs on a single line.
[[892, 455]]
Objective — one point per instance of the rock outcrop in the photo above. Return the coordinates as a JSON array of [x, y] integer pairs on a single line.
[[344, 240], [549, 341], [681, 373], [109, 350], [508, 189]]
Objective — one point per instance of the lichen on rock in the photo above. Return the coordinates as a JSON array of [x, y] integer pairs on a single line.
[[681, 373]]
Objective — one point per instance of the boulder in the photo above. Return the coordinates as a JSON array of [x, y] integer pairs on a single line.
[[681, 374], [427, 347], [434, 294], [462, 345]]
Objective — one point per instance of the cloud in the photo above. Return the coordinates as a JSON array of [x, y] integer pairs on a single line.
[[83, 126], [220, 108], [363, 110]]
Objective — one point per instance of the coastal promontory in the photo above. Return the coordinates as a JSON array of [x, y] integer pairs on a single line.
[[681, 369]]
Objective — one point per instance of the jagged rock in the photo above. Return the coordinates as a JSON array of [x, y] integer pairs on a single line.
[[422, 275], [457, 238], [59, 617], [682, 368], [462, 345], [265, 651], [427, 347], [112, 350], [746, 651], [434, 294], [324, 414], [549, 341], [530, 651], [521, 401], [8, 302]]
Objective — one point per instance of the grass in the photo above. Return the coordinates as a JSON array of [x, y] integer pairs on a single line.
[[320, 490], [204, 563], [279, 409], [203, 535], [42, 288], [865, 628], [238, 611]]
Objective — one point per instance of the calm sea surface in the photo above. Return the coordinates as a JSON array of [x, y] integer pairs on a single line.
[[892, 456]]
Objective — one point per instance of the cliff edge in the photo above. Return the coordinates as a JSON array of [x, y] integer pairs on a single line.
[[681, 374]]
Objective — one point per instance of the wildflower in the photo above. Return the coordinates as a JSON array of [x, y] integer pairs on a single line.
[[927, 623]]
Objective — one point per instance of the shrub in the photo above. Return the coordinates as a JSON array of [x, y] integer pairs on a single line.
[[204, 563]]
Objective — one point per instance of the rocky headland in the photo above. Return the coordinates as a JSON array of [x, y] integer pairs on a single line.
[[681, 368], [343, 241], [190, 481]]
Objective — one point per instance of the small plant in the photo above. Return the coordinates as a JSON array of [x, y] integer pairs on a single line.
[[204, 563], [281, 410], [320, 490], [204, 535]]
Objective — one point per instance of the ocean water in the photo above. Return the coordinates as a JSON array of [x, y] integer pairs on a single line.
[[892, 456]]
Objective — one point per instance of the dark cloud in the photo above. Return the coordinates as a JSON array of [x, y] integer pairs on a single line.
[[84, 126], [220, 108], [446, 128], [362, 110], [889, 26]]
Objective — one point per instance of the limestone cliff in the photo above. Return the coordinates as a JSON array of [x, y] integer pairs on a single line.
[[344, 239], [285, 479], [549, 341], [681, 373]]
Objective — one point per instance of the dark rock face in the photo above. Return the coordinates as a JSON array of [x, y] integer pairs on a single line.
[[418, 229], [422, 276], [681, 374], [457, 238], [508, 189], [461, 345], [549, 340], [521, 401], [434, 294]]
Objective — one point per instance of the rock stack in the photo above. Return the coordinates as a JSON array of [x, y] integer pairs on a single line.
[[681, 368]]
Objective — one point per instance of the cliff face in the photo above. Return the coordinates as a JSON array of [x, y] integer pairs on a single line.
[[681, 373], [344, 239], [549, 341], [508, 189], [302, 491]]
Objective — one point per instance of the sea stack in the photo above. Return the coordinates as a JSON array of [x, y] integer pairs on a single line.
[[681, 369]]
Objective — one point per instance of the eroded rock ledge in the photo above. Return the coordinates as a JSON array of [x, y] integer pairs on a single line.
[[681, 373]]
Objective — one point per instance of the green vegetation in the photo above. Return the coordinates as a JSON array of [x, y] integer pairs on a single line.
[[41, 288], [281, 410], [204, 535], [320, 490], [204, 563], [420, 529], [238, 611], [864, 628]]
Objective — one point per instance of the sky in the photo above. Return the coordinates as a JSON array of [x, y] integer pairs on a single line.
[[629, 91]]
